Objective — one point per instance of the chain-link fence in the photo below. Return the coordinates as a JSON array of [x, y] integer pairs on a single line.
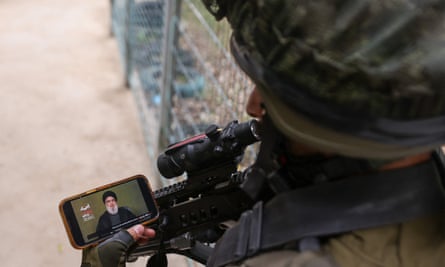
[[176, 60]]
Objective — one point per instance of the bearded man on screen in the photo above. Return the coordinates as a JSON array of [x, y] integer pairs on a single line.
[[114, 215]]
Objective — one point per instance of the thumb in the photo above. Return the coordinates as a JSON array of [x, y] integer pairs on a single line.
[[141, 233], [136, 231]]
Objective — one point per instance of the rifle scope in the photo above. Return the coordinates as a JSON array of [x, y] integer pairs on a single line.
[[215, 146]]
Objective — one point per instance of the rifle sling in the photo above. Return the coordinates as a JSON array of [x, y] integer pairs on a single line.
[[359, 202]]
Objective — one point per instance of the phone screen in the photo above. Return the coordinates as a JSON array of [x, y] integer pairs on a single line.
[[97, 214]]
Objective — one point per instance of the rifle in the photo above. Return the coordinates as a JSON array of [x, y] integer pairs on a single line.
[[191, 211]]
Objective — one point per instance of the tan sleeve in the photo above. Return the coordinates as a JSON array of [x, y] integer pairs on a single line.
[[289, 258], [418, 243]]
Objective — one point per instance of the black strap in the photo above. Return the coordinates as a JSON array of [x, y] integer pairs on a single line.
[[332, 208], [266, 166]]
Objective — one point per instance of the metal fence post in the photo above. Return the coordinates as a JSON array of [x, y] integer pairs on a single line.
[[171, 18], [128, 56]]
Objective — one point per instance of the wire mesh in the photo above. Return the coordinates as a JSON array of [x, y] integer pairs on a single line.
[[203, 85], [215, 90], [145, 35], [180, 70]]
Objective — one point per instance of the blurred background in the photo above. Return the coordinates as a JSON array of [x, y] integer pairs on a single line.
[[92, 91]]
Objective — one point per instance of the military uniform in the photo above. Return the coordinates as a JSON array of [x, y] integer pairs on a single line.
[[363, 79], [418, 243], [360, 79]]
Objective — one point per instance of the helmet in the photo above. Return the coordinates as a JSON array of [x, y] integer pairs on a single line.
[[359, 78]]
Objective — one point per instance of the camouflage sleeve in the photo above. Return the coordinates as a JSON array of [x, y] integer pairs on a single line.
[[90, 257], [110, 253]]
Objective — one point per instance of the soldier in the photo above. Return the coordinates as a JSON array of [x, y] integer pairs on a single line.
[[351, 95], [357, 90]]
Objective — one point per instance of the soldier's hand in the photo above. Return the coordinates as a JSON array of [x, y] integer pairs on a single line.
[[141, 234]]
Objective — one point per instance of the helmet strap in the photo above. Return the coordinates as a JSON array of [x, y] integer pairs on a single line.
[[263, 178]]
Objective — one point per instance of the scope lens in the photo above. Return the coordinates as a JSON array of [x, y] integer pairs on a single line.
[[167, 167]]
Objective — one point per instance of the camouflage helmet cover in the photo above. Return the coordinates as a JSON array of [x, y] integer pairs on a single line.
[[370, 73]]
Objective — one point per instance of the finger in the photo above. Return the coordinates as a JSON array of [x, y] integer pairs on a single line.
[[149, 233], [147, 236], [136, 231]]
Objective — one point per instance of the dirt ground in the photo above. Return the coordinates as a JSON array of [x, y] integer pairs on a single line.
[[67, 122]]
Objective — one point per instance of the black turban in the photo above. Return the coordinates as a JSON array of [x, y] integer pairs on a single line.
[[109, 194]]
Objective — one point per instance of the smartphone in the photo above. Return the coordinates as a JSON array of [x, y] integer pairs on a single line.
[[97, 214]]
